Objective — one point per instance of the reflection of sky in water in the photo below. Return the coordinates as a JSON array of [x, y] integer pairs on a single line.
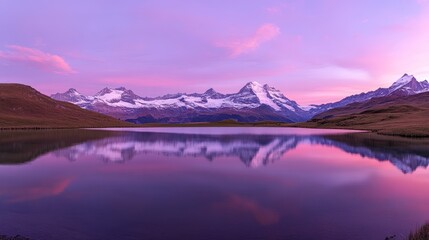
[[254, 150], [289, 187]]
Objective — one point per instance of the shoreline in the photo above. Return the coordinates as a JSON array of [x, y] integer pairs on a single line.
[[385, 132]]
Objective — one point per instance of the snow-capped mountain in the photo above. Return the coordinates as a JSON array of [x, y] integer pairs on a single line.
[[73, 96], [406, 85], [254, 102]]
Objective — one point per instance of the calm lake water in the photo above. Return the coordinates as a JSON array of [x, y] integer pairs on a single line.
[[211, 183]]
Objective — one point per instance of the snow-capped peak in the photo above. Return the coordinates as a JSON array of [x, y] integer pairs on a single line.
[[401, 82], [267, 95], [73, 96], [210, 91], [249, 104], [255, 84], [253, 87], [104, 91], [73, 91], [116, 95]]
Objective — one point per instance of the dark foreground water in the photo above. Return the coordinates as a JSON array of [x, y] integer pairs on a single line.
[[211, 183]]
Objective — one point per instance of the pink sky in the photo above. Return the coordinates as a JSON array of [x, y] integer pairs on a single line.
[[314, 51]]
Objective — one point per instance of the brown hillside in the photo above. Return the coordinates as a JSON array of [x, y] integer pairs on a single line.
[[392, 115], [23, 107]]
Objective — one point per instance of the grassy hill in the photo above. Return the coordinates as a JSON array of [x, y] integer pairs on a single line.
[[392, 115], [23, 107]]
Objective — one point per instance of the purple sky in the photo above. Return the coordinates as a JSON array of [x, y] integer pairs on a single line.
[[314, 51]]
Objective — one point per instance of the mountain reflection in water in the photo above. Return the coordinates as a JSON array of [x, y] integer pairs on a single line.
[[253, 150], [217, 183]]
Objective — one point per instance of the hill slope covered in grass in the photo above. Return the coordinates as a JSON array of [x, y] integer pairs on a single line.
[[392, 115], [23, 107]]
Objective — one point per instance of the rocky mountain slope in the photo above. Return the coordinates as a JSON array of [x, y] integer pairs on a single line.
[[406, 85], [254, 102]]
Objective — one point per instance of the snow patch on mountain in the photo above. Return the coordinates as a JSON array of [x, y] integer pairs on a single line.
[[252, 96], [406, 85], [125, 104], [262, 94], [401, 82]]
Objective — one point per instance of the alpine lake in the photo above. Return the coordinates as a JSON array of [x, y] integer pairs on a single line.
[[211, 183]]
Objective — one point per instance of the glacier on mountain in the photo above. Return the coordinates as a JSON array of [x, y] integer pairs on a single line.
[[254, 102]]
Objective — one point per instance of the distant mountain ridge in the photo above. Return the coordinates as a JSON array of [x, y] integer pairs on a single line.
[[405, 86], [254, 102]]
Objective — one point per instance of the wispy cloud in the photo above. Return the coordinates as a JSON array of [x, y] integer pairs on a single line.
[[263, 34], [36, 58], [277, 9], [333, 72], [273, 10]]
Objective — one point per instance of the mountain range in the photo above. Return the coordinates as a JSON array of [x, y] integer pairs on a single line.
[[252, 103]]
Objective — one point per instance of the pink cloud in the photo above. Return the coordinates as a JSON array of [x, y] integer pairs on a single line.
[[36, 58], [262, 215], [263, 34], [44, 189], [278, 9]]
